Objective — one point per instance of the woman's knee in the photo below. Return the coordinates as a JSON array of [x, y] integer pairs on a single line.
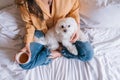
[[85, 50], [38, 33]]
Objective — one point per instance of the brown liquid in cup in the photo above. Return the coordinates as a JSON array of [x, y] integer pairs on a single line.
[[23, 58]]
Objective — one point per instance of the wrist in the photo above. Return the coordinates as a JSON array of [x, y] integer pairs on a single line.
[[27, 44], [79, 25]]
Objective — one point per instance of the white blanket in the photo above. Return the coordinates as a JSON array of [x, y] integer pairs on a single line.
[[104, 66]]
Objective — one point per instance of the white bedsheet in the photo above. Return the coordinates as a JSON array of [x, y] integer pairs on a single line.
[[104, 66]]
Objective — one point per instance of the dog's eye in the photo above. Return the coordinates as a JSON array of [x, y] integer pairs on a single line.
[[62, 26], [68, 25]]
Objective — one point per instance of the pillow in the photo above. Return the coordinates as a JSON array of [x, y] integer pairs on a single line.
[[100, 13], [5, 3]]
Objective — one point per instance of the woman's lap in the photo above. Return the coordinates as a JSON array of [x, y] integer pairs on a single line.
[[39, 53]]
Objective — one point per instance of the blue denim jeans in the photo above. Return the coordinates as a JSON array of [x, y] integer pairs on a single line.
[[39, 53], [85, 51]]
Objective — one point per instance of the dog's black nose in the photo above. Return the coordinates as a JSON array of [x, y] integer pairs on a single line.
[[65, 30]]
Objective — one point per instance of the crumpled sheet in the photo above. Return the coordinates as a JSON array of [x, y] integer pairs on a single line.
[[104, 66]]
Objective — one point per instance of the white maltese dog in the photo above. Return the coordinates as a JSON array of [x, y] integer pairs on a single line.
[[62, 33]]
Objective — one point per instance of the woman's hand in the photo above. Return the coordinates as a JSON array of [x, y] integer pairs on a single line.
[[26, 49], [75, 36], [55, 54]]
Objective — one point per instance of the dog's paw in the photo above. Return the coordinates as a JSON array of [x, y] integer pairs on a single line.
[[73, 50]]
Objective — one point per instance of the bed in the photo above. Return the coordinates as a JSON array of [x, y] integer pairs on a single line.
[[100, 21]]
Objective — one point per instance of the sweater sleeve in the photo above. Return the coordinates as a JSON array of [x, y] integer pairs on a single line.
[[75, 11], [30, 29]]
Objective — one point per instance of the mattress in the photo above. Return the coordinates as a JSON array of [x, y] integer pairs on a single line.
[[105, 64]]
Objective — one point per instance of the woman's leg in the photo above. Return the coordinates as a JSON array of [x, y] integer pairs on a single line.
[[85, 51], [39, 54]]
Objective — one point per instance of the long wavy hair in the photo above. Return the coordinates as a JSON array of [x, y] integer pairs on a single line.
[[32, 7], [35, 9]]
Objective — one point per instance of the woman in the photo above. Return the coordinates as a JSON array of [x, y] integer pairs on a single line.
[[43, 14]]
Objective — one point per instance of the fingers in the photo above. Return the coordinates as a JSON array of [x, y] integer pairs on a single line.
[[55, 54], [23, 50], [26, 49], [74, 38], [52, 57]]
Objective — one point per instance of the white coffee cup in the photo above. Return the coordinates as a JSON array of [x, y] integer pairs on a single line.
[[22, 58]]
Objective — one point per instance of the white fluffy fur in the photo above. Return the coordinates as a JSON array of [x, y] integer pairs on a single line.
[[62, 33]]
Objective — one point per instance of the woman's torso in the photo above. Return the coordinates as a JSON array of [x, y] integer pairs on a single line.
[[60, 9]]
